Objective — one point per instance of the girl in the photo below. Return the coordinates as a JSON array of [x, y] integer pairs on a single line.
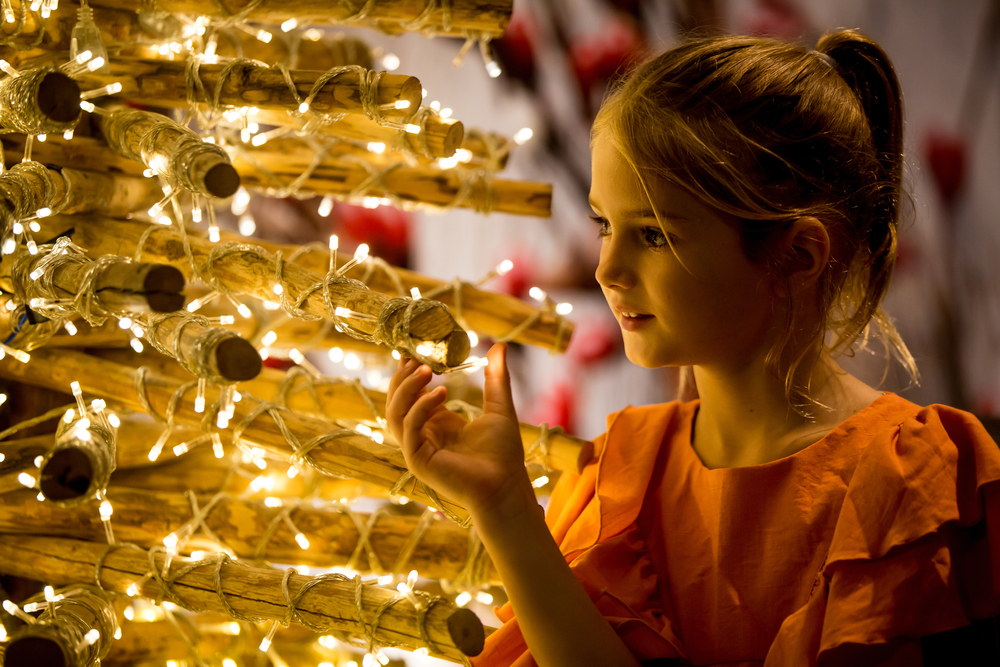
[[747, 195]]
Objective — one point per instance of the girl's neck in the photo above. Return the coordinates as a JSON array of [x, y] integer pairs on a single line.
[[745, 419]]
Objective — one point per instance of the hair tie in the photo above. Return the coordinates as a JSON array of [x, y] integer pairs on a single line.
[[826, 58]]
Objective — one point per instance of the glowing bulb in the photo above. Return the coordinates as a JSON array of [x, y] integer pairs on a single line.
[[537, 293], [271, 501], [278, 289], [264, 36], [484, 598], [336, 354], [361, 254], [304, 107], [463, 599], [402, 104], [473, 339], [351, 361], [564, 308], [26, 479], [131, 591], [523, 135], [287, 26], [170, 542], [376, 147], [106, 510], [390, 62], [325, 206], [445, 113], [410, 127], [540, 482], [302, 541], [505, 267], [415, 293], [113, 420], [67, 135]]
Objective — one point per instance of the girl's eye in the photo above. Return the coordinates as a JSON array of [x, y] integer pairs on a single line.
[[654, 237], [605, 228]]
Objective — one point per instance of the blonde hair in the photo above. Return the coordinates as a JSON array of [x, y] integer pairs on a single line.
[[769, 132]]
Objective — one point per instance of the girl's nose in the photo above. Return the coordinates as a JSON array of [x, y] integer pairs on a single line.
[[614, 270]]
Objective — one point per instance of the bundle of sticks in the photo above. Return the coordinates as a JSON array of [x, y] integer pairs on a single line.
[[177, 479]]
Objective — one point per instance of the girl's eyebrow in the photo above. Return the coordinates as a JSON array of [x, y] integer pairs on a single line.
[[642, 213]]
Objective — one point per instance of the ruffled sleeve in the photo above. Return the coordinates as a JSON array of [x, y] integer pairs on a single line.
[[592, 518], [916, 548]]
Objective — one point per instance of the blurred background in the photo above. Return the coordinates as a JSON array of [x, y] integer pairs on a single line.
[[556, 60]]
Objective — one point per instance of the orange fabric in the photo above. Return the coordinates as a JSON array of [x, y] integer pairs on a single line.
[[884, 531]]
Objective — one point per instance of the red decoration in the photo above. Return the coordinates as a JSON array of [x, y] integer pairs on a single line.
[[781, 19], [516, 51], [519, 279], [947, 155], [592, 342], [596, 59], [385, 229], [557, 407]]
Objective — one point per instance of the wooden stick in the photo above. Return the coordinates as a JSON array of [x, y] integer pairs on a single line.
[[296, 48], [200, 472], [212, 351], [411, 186], [39, 101], [170, 149], [355, 456], [160, 640], [458, 18], [249, 590], [118, 287], [491, 313], [145, 517], [71, 190], [443, 135], [164, 83], [254, 274], [19, 456]]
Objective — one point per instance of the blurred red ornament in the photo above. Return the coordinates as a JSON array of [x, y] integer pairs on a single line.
[[592, 342], [385, 229], [947, 155], [557, 407], [516, 51], [280, 364], [596, 59], [518, 280]]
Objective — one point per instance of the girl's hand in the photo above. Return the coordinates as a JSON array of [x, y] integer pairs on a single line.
[[479, 464]]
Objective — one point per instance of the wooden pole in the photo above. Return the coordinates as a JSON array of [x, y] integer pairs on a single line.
[[170, 149], [412, 187], [253, 273], [208, 351], [158, 641], [164, 83], [18, 457], [200, 472], [491, 313], [144, 518], [443, 136], [456, 18], [39, 101], [117, 287], [251, 591], [355, 456]]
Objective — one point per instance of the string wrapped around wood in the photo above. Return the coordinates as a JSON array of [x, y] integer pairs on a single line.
[[39, 101]]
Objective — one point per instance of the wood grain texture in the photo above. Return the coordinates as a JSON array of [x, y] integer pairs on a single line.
[[249, 590]]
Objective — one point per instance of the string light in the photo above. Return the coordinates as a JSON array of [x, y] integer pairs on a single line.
[[335, 354], [523, 135]]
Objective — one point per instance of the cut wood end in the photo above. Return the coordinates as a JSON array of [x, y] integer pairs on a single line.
[[59, 97], [453, 137], [222, 180], [67, 475], [459, 347], [31, 650], [237, 360], [163, 278], [467, 632]]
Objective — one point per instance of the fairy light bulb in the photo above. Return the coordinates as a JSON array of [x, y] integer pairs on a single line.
[[523, 135], [87, 37]]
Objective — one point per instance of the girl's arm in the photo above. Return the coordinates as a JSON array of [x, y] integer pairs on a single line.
[[481, 465]]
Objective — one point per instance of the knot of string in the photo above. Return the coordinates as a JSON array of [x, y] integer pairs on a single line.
[[22, 198], [432, 495], [290, 385], [541, 448], [44, 295]]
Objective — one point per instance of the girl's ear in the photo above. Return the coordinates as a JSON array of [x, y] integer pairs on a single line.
[[805, 250]]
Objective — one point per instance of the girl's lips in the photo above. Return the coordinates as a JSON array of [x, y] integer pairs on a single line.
[[634, 323]]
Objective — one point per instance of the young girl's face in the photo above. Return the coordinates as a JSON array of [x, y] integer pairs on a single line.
[[703, 303]]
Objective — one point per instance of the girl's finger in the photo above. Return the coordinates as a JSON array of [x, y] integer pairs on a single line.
[[407, 392], [405, 370], [412, 441]]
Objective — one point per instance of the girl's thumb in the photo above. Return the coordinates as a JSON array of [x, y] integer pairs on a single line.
[[497, 397]]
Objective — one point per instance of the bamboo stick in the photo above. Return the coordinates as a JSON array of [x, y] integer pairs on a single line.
[[39, 101], [87, 153], [250, 591], [443, 136], [18, 457], [295, 48], [164, 83], [457, 18], [207, 351], [200, 472], [491, 313], [30, 186], [170, 149], [411, 186], [158, 641], [353, 456], [145, 517], [253, 273], [117, 287]]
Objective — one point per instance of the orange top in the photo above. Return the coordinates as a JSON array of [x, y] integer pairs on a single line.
[[884, 531]]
